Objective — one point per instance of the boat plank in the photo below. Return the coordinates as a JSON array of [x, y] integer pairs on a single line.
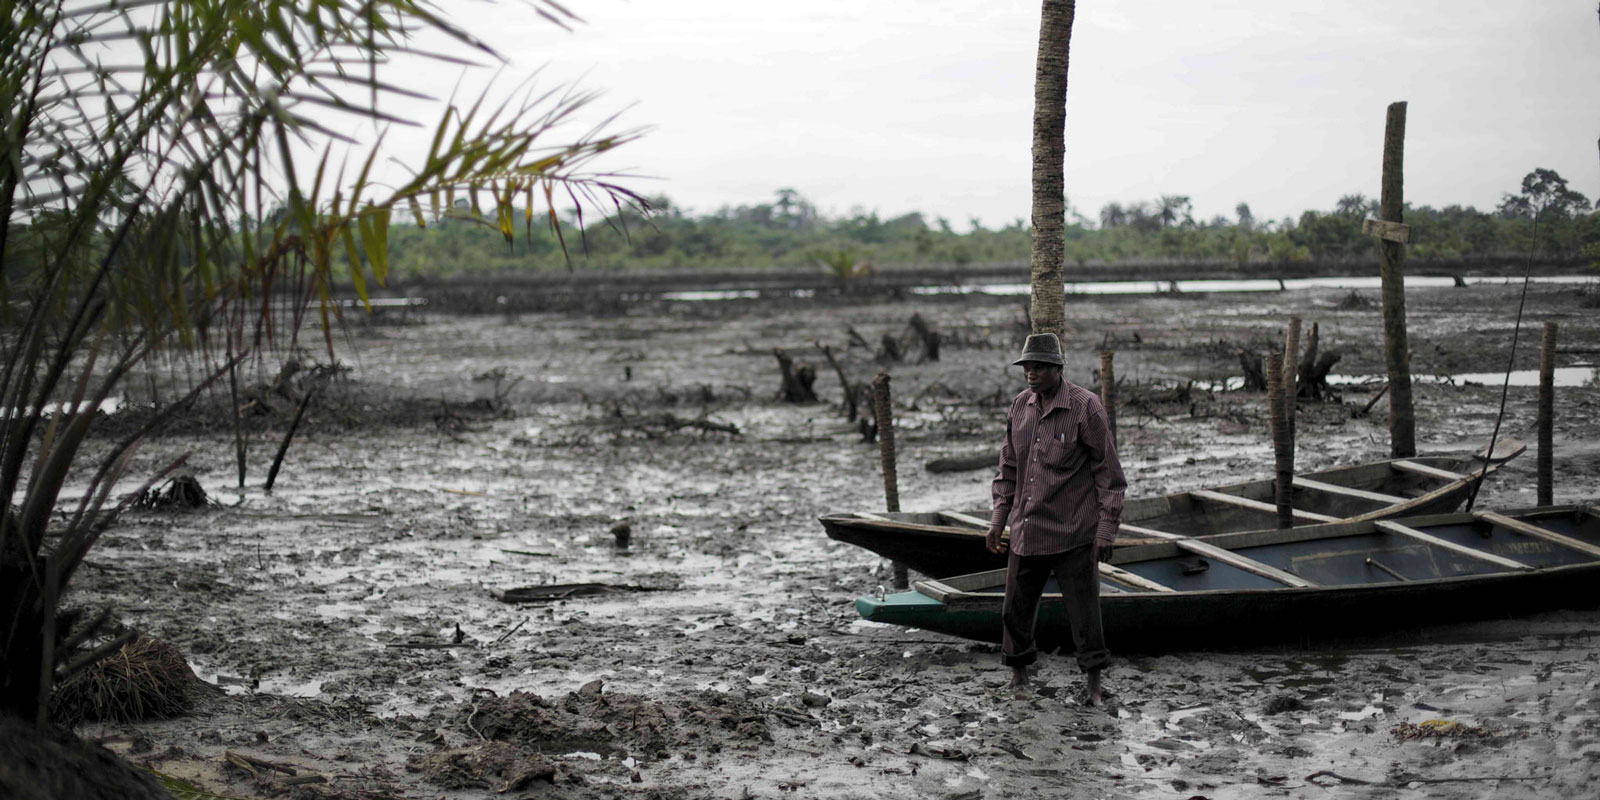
[[1536, 531], [1124, 576], [1257, 505], [1434, 541], [1429, 471], [873, 517], [1244, 562], [1346, 491], [1150, 532], [965, 519]]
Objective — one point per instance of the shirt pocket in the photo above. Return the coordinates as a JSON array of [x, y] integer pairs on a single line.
[[1063, 453]]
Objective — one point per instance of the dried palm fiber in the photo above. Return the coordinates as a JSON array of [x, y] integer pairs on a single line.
[[144, 679], [183, 491]]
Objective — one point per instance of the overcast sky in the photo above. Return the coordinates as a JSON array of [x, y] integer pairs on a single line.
[[926, 105]]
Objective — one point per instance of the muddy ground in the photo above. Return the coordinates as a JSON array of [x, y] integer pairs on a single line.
[[733, 665]]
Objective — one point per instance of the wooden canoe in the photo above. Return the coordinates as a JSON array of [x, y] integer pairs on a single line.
[[1297, 584], [951, 542]]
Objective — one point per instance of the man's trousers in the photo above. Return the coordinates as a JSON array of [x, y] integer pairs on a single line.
[[1078, 574]]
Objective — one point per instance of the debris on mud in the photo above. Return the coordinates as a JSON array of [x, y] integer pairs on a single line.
[[1282, 703], [591, 720], [1438, 729], [497, 766], [552, 592]]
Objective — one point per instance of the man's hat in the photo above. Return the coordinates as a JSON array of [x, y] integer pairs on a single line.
[[1044, 347]]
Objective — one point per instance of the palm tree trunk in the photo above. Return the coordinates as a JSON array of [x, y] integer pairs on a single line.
[[1049, 150]]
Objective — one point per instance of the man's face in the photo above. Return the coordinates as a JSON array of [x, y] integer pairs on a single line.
[[1042, 377]]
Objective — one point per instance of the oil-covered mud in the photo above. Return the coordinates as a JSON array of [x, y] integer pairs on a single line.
[[354, 617]]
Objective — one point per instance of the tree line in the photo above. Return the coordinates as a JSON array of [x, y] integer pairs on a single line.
[[791, 232]]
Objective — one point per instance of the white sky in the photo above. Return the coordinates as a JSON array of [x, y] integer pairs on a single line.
[[926, 105]]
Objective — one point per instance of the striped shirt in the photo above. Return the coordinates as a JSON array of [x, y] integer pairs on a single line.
[[1060, 484]]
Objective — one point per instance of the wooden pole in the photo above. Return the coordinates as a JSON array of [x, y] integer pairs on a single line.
[[1402, 420], [1282, 451], [1291, 371], [1547, 396], [1108, 390], [891, 488]]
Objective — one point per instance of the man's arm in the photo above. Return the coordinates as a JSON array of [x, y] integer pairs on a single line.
[[1109, 482], [1004, 488]]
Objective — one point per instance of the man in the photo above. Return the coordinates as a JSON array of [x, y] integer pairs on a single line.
[[1060, 490]]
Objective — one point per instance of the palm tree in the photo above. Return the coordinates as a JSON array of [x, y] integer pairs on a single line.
[[1173, 210], [144, 142], [1112, 216], [1247, 220], [1355, 206], [1049, 153]]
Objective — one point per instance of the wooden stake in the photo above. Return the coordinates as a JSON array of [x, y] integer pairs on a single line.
[[1547, 396], [891, 489], [1108, 390], [1402, 419], [1282, 450], [1291, 385]]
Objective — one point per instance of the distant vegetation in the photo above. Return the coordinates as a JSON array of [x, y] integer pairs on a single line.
[[789, 232]]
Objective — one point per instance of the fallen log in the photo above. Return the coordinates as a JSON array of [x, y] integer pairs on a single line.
[[965, 463]]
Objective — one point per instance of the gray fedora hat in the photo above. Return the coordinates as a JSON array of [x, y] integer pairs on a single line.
[[1042, 347]]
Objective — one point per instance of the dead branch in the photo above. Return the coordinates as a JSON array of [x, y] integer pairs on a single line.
[[848, 389], [855, 337]]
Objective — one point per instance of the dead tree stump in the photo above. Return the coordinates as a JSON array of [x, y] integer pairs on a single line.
[[1255, 379], [798, 379], [1314, 368], [928, 336], [890, 351]]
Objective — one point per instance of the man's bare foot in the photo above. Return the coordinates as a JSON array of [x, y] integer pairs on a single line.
[[1019, 677], [1097, 693]]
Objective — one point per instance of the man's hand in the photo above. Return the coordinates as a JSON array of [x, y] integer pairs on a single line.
[[993, 541], [1102, 552]]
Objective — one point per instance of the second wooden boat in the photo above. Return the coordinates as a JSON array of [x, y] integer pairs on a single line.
[[1297, 584], [944, 543]]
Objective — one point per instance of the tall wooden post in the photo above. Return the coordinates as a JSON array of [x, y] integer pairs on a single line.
[[891, 487], [1547, 404], [1108, 390], [1282, 452], [1291, 374], [1402, 420]]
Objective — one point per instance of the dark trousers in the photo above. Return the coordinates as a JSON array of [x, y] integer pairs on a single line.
[[1079, 576]]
